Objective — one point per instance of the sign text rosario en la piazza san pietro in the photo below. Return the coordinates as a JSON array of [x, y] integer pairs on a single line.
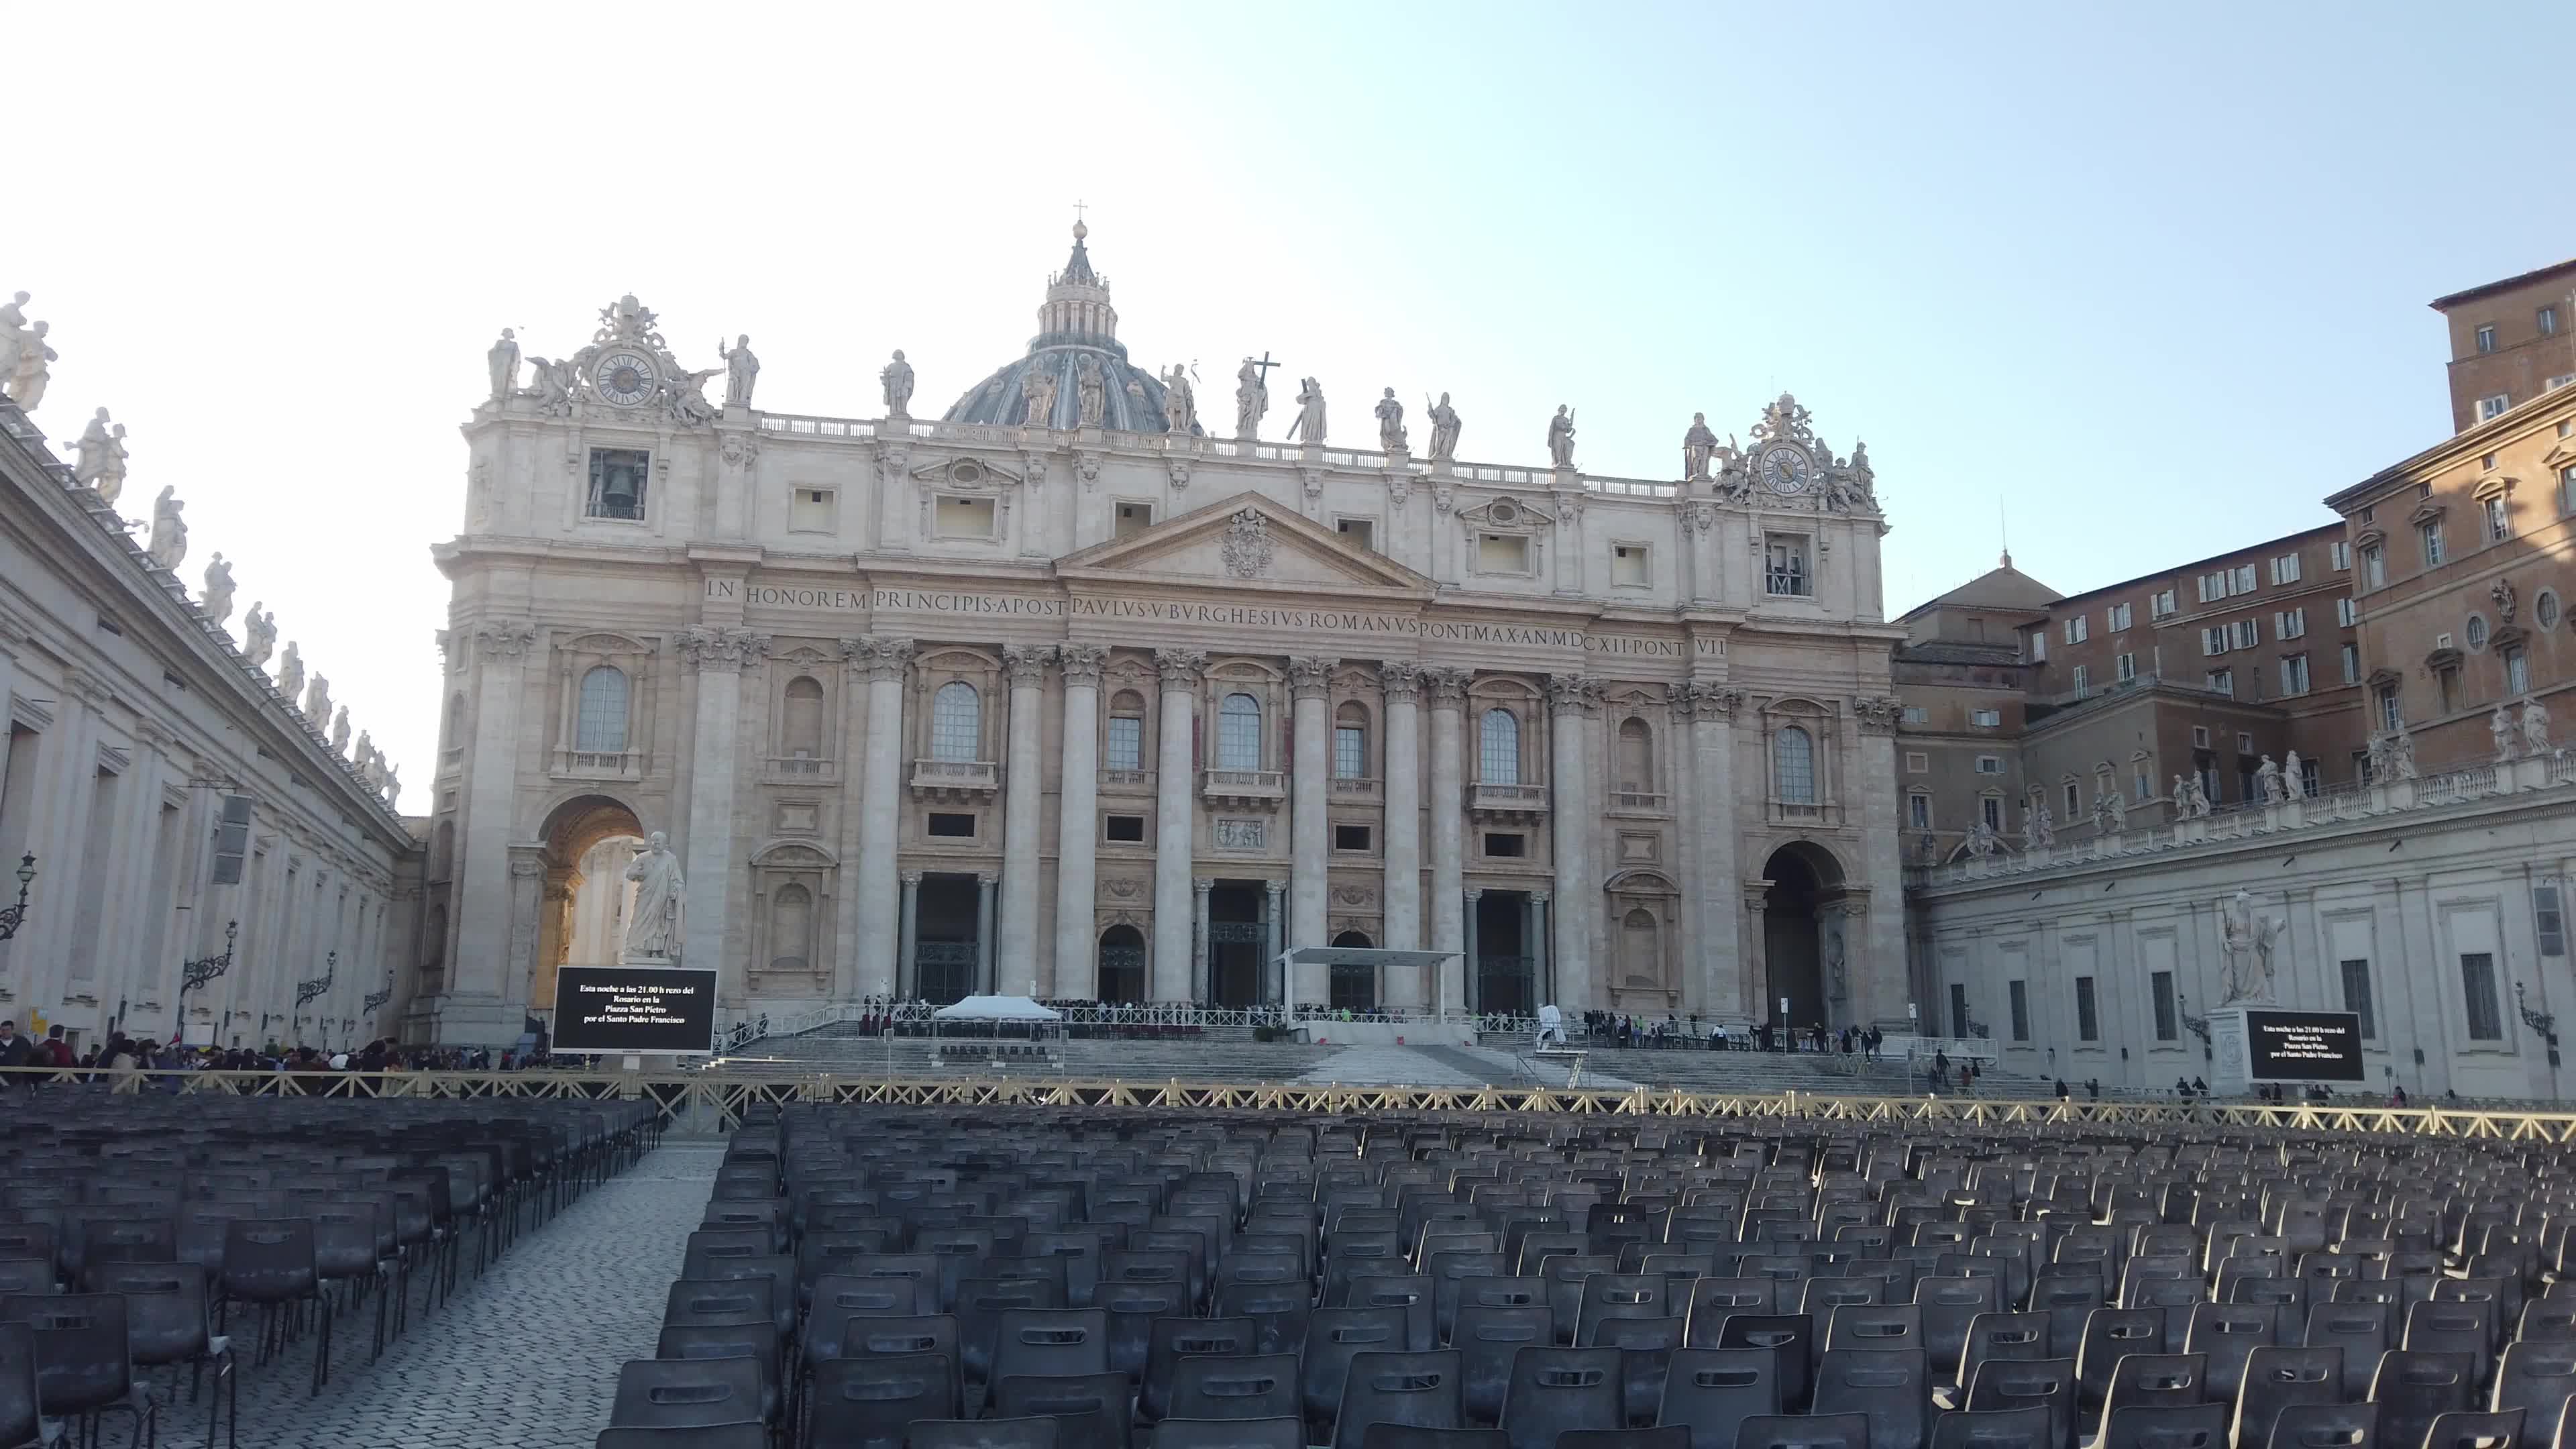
[[1168, 611]]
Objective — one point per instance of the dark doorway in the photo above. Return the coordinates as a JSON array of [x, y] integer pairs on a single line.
[[1235, 942], [1122, 965], [943, 938], [1354, 987], [1505, 979], [1793, 945]]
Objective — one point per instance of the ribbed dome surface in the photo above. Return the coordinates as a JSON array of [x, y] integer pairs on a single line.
[[1075, 323]]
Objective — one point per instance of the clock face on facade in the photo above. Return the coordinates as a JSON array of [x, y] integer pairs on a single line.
[[1784, 470], [625, 378]]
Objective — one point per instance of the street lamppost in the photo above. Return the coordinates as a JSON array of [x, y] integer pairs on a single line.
[[11, 916], [194, 976], [2542, 1022], [306, 992], [376, 1001]]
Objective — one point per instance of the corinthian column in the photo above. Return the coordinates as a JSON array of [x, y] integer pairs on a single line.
[[717, 657], [1173, 818], [1309, 680], [1449, 829], [1720, 891], [1015, 966], [883, 660], [1078, 825], [1403, 685], [1568, 810]]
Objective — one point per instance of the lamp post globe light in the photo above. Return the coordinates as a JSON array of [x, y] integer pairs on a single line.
[[11, 916], [195, 975]]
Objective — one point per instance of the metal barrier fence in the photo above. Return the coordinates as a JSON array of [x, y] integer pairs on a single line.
[[712, 1102]]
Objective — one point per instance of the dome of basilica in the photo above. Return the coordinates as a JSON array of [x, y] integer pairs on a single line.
[[1077, 337]]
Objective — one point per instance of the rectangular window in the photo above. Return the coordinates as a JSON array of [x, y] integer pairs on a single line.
[[2126, 666], [1132, 519], [2555, 383], [2312, 775], [2285, 568], [1628, 565], [1502, 553], [2244, 743], [2200, 737], [1362, 532], [2493, 407], [1917, 714], [1993, 811], [1918, 811], [2339, 553], [1350, 837], [1505, 845], [1917, 762], [2374, 568], [1350, 753], [2039, 637], [1958, 1010], [2294, 674], [1785, 566], [2220, 681], [2347, 612], [2356, 997], [2161, 604], [961, 518], [2290, 623], [2550, 918], [2241, 579], [950, 827], [2351, 656], [2390, 717], [811, 510], [1986, 718], [2213, 587], [2487, 338], [2546, 319], [2517, 672], [2074, 801], [2083, 678], [2567, 489], [1123, 830], [1990, 764], [2116, 617], [2160, 985], [2446, 687], [2088, 1023], [2499, 520], [2245, 633], [2478, 994], [2213, 639], [1126, 743], [2143, 787], [2078, 629], [617, 479], [2018, 994]]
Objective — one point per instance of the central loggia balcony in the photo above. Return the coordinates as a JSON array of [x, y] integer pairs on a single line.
[[1244, 789], [956, 781], [1489, 800]]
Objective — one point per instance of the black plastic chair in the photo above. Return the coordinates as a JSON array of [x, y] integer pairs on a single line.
[[167, 1323], [2276, 1378], [1804, 1431], [1050, 1343], [82, 1358], [2323, 1426], [659, 1393], [2501, 1429], [271, 1263], [20, 1416], [1667, 1437], [1173, 1339], [2537, 1378], [714, 1436], [1420, 1389], [755, 1341], [2361, 1330], [1287, 1433], [1553, 1390], [867, 1403], [1791, 1337], [1233, 1386], [1334, 1337], [1033, 1432], [2028, 1428], [1089, 1410], [1407, 1436], [1891, 1387], [2028, 1383], [1486, 1338], [2412, 1387]]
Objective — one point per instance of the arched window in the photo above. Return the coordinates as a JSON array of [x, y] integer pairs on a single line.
[[1238, 733], [800, 724], [1126, 743], [1636, 756], [1795, 754], [791, 928], [1350, 743], [956, 721], [599, 720], [1122, 965], [1498, 748]]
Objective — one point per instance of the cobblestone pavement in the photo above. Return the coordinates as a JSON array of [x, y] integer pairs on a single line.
[[524, 1358], [1386, 1066]]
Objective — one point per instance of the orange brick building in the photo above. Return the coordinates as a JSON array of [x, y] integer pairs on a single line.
[[2511, 341]]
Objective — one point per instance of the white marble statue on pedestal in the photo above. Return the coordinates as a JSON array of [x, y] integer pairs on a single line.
[[290, 671], [1444, 429], [1251, 399], [2267, 779], [2039, 829], [1390, 424], [101, 464], [1309, 427], [742, 369], [1180, 401], [896, 379], [317, 699], [1037, 389], [2249, 937], [1090, 392], [13, 334], [1698, 446], [653, 932], [2508, 739], [2294, 775], [340, 731], [2535, 728], [217, 601], [259, 635], [1560, 437], [169, 547], [503, 362], [26, 381]]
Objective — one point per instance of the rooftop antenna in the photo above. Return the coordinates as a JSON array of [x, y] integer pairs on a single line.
[[2003, 530]]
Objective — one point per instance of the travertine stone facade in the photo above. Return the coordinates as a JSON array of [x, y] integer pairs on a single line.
[[1118, 712]]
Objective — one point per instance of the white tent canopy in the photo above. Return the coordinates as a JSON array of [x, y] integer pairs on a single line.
[[997, 1008]]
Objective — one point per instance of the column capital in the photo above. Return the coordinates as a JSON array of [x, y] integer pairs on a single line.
[[1400, 680], [911, 878], [722, 649], [1538, 897], [1878, 713], [1311, 676], [504, 638], [1181, 669], [1082, 663], [1567, 693], [1202, 884], [1475, 893], [1448, 686], [1274, 886], [1027, 664], [881, 656], [986, 879]]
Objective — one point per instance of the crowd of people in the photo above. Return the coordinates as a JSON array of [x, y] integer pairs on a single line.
[[1676, 1033], [123, 1053]]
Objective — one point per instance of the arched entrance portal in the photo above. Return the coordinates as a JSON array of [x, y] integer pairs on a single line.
[[1354, 988], [582, 919], [1793, 937], [1122, 965]]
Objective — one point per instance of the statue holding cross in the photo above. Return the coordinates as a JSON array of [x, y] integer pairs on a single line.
[[1251, 396]]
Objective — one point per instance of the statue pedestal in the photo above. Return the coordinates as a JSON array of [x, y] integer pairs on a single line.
[[639, 958], [2231, 1070], [2401, 794], [2191, 830], [2531, 772]]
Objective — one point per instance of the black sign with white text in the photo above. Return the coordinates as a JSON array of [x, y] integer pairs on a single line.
[[2304, 1046], [634, 1009]]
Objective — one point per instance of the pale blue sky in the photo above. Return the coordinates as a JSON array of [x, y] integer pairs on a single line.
[[2154, 278]]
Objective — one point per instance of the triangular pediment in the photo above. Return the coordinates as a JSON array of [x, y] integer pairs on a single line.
[[1248, 542]]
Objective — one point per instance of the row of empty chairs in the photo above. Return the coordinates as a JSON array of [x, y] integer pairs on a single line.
[[1123, 1279]]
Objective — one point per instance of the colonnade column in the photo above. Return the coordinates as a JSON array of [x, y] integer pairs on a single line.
[[1175, 955], [1309, 679], [1078, 825], [1878, 974], [1449, 830], [717, 657], [1568, 809], [1403, 686], [1274, 989], [481, 916], [986, 904], [1016, 972], [1475, 996], [1727, 972], [1202, 985], [907, 977], [881, 784], [1542, 965]]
